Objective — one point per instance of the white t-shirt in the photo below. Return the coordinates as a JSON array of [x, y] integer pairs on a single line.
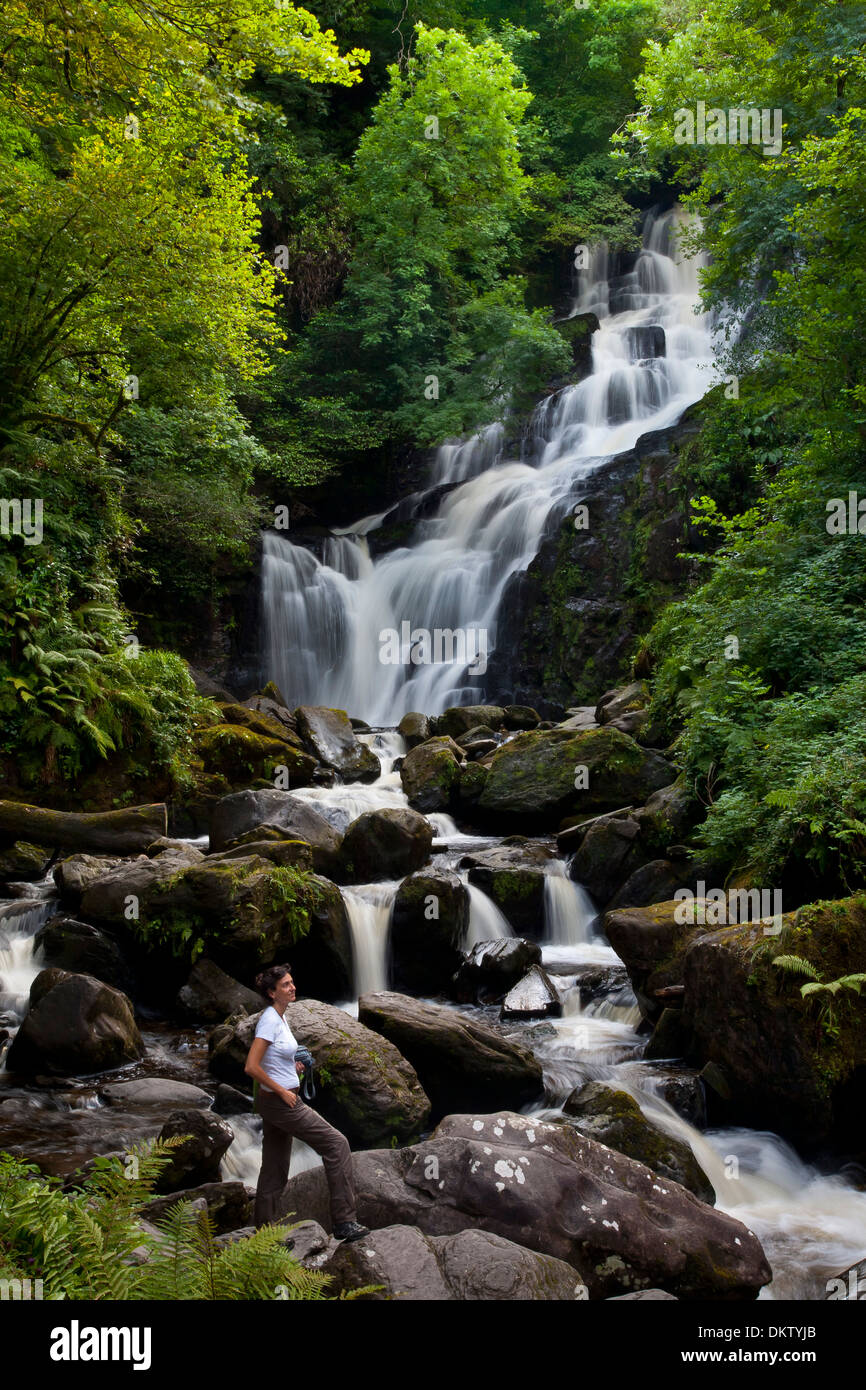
[[279, 1058]]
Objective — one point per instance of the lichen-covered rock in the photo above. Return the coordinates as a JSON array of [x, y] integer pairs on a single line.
[[76, 1025], [385, 845], [615, 1118], [261, 721], [238, 753], [365, 1087], [428, 926], [471, 1266], [460, 1060], [548, 774], [551, 1189], [430, 774], [76, 873], [668, 816], [328, 733], [521, 717]]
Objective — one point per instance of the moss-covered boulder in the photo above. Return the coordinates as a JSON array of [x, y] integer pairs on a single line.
[[462, 1063], [329, 735], [459, 719], [240, 754], [76, 1025], [430, 774], [414, 728], [296, 854], [366, 1088], [23, 861], [261, 722], [545, 775], [428, 926], [247, 817], [513, 875], [322, 960], [614, 1118], [794, 1064], [625, 699], [668, 816], [609, 852], [385, 844]]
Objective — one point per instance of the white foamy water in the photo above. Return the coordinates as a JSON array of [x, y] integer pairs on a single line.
[[369, 907]]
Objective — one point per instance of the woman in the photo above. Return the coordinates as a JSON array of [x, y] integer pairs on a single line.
[[271, 1062]]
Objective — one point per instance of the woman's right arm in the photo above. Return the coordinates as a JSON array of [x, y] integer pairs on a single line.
[[253, 1067]]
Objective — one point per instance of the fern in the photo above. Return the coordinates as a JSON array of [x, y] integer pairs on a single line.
[[796, 965]]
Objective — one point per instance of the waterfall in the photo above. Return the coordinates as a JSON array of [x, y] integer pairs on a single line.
[[569, 914], [368, 907], [20, 920], [327, 623], [486, 922]]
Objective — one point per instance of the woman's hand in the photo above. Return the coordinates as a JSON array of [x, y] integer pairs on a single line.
[[299, 1068], [290, 1097]]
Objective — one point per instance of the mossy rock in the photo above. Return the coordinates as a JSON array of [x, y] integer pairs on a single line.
[[430, 774], [240, 754]]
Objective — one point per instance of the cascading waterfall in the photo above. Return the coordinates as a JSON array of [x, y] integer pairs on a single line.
[[20, 920], [368, 908], [569, 914], [652, 357]]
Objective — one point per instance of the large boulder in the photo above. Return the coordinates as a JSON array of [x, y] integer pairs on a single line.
[[74, 875], [651, 941], [235, 816], [474, 1266], [513, 875], [430, 774], [459, 719], [158, 1092], [625, 699], [549, 774], [323, 959], [210, 995], [385, 845], [366, 1088], [615, 1118], [609, 853], [108, 897], [552, 1190], [534, 996], [428, 927], [490, 969], [461, 1061], [198, 1159], [110, 832], [273, 846], [82, 949], [656, 882], [788, 1066], [414, 728], [236, 753], [229, 1204], [76, 1025], [668, 816], [23, 861], [329, 735]]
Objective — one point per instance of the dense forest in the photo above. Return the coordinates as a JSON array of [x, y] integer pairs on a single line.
[[259, 262]]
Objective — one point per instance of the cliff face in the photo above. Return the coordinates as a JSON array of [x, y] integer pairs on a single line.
[[570, 624]]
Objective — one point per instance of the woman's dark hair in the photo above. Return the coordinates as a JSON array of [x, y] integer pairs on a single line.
[[269, 979]]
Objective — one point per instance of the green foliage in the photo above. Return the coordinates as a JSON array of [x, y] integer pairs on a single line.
[[87, 1244], [815, 987], [294, 893]]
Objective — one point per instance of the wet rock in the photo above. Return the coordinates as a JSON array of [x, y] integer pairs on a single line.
[[237, 815], [328, 734], [294, 854], [372, 1093], [669, 1038], [210, 995], [513, 875], [478, 742], [581, 717], [534, 775], [461, 1062], [414, 728], [23, 861], [430, 774], [428, 926], [74, 875], [668, 816], [459, 719], [491, 968], [655, 882], [230, 1101], [684, 1092], [76, 1025], [105, 899], [614, 1118], [323, 959], [748, 1017], [534, 997], [262, 721], [228, 1204], [385, 845], [652, 944], [197, 1160], [67, 944], [473, 1266], [162, 1092], [606, 1215], [609, 852], [114, 832], [625, 699], [521, 717]]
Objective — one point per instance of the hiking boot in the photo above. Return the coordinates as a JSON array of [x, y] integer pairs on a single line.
[[350, 1230]]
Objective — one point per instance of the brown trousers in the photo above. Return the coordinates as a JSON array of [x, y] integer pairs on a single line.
[[280, 1124]]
